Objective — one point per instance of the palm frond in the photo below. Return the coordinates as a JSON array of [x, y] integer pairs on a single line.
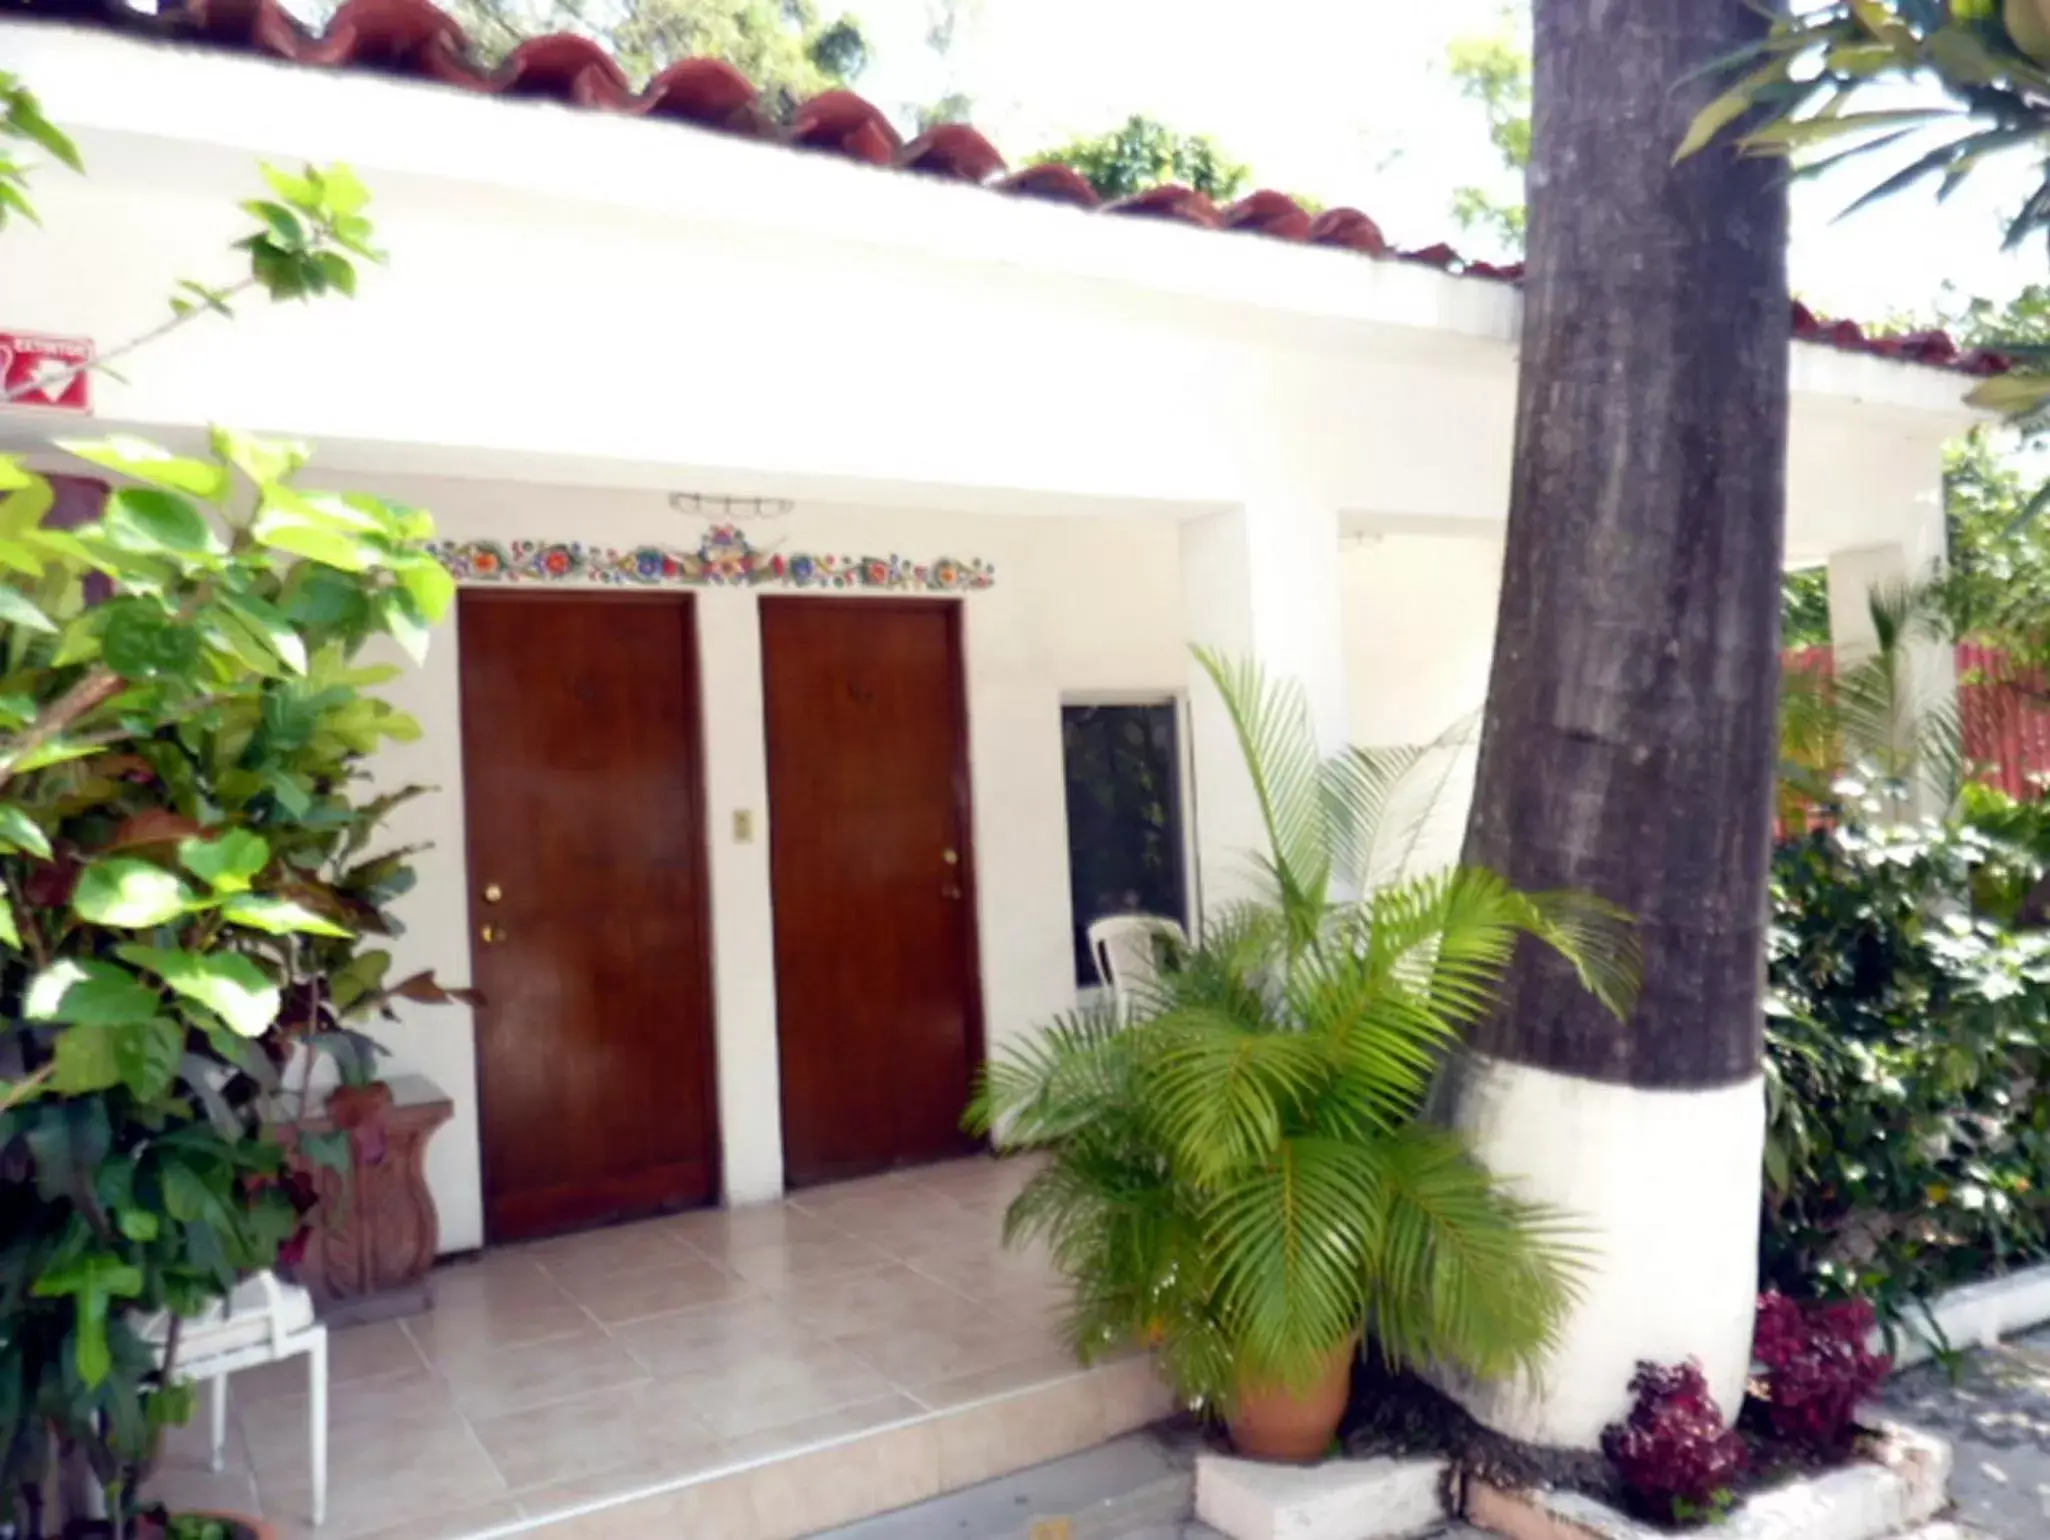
[[1600, 940], [1225, 1094], [1391, 824], [1295, 1236], [1464, 1273], [1279, 744], [1041, 1088], [1359, 784]]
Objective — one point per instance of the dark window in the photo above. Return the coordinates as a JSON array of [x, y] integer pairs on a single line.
[[1124, 817]]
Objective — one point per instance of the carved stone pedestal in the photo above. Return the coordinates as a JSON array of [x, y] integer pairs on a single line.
[[376, 1231]]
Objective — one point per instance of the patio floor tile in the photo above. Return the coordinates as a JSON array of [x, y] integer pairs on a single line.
[[764, 1371]]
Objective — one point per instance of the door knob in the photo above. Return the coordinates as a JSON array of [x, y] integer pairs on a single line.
[[951, 857], [493, 893], [491, 935]]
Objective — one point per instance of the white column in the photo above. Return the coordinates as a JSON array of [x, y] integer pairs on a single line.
[[1261, 580], [743, 919]]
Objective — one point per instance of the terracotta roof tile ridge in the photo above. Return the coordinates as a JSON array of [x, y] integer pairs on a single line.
[[417, 39]]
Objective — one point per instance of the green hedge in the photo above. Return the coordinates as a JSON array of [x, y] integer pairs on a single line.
[[1907, 1034]]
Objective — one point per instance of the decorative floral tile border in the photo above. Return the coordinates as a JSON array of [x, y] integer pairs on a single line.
[[725, 558]]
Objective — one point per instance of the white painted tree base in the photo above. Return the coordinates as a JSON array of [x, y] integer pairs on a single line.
[[1665, 1185]]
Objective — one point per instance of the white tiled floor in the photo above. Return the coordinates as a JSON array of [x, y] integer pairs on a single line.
[[557, 1375]]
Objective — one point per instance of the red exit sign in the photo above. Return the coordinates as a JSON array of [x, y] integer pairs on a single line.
[[49, 372]]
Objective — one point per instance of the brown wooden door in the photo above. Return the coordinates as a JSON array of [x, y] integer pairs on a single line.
[[876, 978], [585, 811]]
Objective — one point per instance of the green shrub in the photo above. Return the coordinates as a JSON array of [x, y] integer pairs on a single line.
[[1907, 1030]]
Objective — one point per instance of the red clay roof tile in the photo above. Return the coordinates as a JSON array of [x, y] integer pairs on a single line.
[[1267, 212], [563, 68], [1054, 184], [416, 38], [1350, 229], [708, 92], [849, 124], [1171, 201], [953, 150]]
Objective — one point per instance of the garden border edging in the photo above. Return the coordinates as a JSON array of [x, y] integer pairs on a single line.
[[1907, 1484], [1976, 1315]]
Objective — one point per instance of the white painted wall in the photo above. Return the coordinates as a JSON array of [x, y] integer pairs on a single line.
[[1419, 635], [1080, 606]]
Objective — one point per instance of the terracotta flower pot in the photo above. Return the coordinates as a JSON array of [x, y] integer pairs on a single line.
[[360, 1110], [1272, 1422], [351, 1106]]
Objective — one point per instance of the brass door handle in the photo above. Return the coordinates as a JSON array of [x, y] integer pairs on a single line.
[[491, 935]]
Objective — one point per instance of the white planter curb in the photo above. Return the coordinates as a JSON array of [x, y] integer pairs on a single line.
[[1907, 1485], [1378, 1499], [1977, 1314]]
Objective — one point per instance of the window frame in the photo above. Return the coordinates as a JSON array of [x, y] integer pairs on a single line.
[[1185, 805]]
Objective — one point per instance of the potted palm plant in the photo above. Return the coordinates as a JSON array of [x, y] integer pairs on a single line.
[[1240, 1176]]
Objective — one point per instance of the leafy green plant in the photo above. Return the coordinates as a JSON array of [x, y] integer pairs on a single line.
[[1241, 1177], [183, 902], [1141, 153], [177, 759], [1908, 1145], [1872, 717]]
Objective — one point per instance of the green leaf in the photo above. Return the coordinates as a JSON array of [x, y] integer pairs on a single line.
[[299, 190], [338, 270], [2010, 394], [146, 519], [148, 1053], [139, 641], [17, 609], [18, 831], [431, 586], [269, 623], [88, 990], [290, 523], [86, 1059], [287, 229], [92, 1282], [263, 460], [226, 983], [10, 934], [403, 623], [130, 893], [153, 464], [138, 1224], [228, 862], [333, 1149], [342, 191], [279, 916]]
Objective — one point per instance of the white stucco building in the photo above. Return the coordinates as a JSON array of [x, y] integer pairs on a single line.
[[1123, 435]]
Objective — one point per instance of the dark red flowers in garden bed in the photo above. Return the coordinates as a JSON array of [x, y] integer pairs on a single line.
[[1817, 1369], [1677, 1460]]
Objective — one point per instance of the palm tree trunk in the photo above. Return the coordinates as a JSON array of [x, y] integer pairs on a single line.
[[1629, 743]]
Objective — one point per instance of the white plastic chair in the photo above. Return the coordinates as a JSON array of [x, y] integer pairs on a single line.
[[263, 1321], [1127, 950]]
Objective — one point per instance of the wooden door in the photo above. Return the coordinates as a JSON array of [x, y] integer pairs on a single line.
[[876, 977], [585, 810]]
